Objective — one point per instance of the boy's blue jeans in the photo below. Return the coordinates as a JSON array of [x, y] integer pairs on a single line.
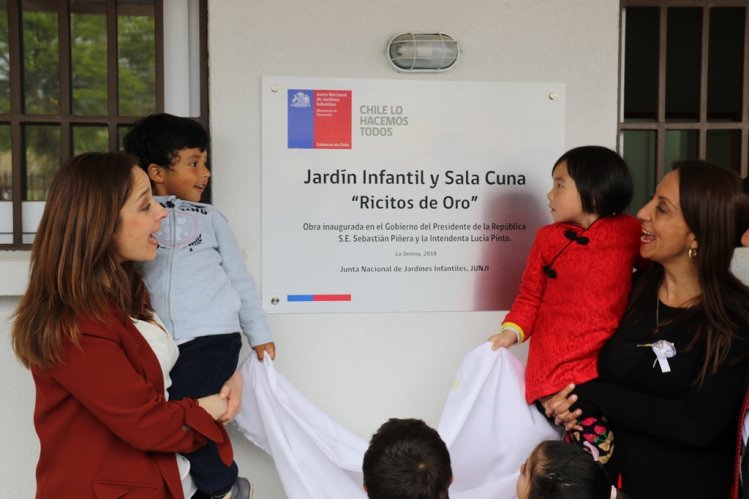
[[203, 367]]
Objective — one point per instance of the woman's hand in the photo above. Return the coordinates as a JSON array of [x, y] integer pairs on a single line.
[[261, 349], [557, 406], [214, 405], [232, 393]]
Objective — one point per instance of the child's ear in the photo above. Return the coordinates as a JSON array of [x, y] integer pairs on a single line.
[[155, 173]]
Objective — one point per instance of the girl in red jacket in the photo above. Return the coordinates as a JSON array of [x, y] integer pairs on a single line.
[[104, 425], [576, 281]]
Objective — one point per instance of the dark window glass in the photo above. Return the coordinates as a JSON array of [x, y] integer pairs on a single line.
[[703, 89], [41, 160], [680, 144], [121, 131], [88, 47], [638, 150], [137, 58], [4, 60], [724, 148], [6, 172], [641, 64], [684, 46], [90, 139], [6, 187], [74, 77], [41, 57], [725, 67]]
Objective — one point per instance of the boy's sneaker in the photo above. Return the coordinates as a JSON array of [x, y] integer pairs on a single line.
[[242, 489]]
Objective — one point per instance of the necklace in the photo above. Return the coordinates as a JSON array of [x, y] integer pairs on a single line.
[[658, 323]]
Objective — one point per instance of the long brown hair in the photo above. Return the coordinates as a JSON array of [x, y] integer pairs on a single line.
[[713, 206], [74, 270]]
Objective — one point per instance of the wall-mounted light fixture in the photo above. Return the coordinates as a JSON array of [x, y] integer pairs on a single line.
[[422, 52]]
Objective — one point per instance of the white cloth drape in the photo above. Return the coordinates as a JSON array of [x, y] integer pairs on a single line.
[[316, 458], [486, 424]]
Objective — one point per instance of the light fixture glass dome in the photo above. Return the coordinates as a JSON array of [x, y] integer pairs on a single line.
[[422, 52]]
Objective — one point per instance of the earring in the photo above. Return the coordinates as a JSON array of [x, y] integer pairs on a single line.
[[692, 253]]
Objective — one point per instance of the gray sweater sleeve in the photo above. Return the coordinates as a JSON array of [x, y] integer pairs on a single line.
[[252, 317]]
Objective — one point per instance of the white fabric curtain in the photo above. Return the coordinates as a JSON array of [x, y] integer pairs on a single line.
[[316, 458], [486, 424]]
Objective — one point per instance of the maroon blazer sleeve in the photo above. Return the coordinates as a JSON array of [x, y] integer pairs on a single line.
[[117, 391]]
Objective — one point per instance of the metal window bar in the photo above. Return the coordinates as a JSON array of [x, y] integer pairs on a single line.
[[660, 126], [66, 120]]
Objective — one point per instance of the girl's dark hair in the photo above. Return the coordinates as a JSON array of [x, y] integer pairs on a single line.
[[743, 218], [713, 206], [561, 470], [602, 179], [158, 138]]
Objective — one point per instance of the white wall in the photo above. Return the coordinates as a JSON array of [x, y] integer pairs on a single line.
[[18, 460], [359, 368], [363, 368]]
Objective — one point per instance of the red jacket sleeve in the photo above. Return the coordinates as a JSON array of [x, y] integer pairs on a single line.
[[532, 284], [101, 377]]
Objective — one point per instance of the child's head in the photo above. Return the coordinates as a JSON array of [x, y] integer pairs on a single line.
[[589, 180], [172, 151], [561, 470], [407, 459]]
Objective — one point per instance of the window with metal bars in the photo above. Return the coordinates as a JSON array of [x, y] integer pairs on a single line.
[[684, 86], [74, 76]]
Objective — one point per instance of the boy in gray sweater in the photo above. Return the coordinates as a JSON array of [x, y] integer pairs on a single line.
[[198, 283]]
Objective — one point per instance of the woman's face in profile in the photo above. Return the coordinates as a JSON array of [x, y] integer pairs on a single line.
[[665, 234], [140, 219]]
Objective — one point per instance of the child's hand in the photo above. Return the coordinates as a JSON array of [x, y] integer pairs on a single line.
[[232, 393], [505, 338], [214, 405], [265, 347]]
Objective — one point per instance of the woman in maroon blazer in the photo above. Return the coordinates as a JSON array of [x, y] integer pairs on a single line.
[[105, 428]]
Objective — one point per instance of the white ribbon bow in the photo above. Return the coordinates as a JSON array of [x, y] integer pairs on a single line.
[[663, 350]]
